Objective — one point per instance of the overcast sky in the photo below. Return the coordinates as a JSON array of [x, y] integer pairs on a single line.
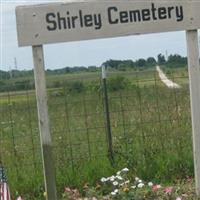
[[85, 53]]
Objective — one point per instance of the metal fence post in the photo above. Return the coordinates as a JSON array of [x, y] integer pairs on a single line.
[[107, 115]]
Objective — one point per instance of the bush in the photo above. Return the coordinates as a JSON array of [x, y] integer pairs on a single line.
[[76, 86], [118, 83]]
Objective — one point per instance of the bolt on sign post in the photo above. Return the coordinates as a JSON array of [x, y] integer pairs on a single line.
[[107, 115], [92, 19]]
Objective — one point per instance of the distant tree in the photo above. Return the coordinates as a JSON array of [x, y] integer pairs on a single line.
[[141, 62], [92, 68], [151, 61], [176, 61], [119, 64], [161, 59]]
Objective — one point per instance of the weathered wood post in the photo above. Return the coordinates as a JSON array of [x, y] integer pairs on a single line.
[[194, 76], [45, 137]]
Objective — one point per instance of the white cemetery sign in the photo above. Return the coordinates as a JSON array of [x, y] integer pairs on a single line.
[[64, 22], [84, 20]]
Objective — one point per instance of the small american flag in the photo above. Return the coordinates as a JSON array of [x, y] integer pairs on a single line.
[[4, 189]]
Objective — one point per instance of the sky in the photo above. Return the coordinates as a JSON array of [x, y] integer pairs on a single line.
[[82, 53]]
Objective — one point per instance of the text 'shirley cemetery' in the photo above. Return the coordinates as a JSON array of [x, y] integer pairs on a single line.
[[58, 21], [75, 21]]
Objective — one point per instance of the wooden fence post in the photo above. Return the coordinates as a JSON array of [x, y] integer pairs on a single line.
[[194, 76], [45, 137]]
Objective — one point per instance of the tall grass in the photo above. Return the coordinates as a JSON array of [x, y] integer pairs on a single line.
[[150, 125]]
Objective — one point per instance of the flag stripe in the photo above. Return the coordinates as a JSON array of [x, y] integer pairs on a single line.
[[5, 192]]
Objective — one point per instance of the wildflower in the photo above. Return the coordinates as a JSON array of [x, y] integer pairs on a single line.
[[103, 179], [113, 193], [112, 178], [45, 194], [126, 189], [150, 184], [115, 183], [121, 184], [116, 191], [140, 185], [133, 187], [127, 182], [137, 179], [119, 177], [156, 187], [140, 181], [125, 170], [168, 190], [118, 173], [178, 198]]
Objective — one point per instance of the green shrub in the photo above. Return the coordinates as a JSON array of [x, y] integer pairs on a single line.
[[118, 83], [76, 86]]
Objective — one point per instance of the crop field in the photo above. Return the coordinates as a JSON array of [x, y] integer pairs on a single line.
[[150, 125]]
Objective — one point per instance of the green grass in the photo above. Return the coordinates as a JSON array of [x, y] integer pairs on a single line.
[[150, 126]]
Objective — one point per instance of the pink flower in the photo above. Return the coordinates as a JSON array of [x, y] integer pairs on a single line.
[[168, 190], [156, 187], [178, 198]]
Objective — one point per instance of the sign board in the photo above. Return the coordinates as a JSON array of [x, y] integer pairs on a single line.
[[62, 22]]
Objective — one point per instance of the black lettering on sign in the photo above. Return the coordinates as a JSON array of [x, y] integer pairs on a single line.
[[115, 16], [50, 19], [123, 17], [146, 15], [179, 13], [111, 19], [61, 22], [135, 16], [162, 13]]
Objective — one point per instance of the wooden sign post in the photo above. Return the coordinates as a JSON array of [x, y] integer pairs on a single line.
[[92, 19], [194, 76], [43, 118]]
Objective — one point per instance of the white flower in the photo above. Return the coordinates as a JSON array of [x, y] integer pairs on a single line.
[[127, 182], [133, 187], [121, 184], [140, 181], [119, 177], [118, 173], [112, 178], [140, 185], [137, 179], [115, 183], [158, 186], [150, 184], [113, 193], [116, 191], [103, 179], [125, 170]]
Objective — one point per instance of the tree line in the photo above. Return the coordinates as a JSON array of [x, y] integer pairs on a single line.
[[173, 61]]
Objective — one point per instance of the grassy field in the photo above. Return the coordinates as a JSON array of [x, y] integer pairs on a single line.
[[150, 125]]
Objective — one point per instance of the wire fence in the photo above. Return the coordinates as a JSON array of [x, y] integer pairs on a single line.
[[149, 125]]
